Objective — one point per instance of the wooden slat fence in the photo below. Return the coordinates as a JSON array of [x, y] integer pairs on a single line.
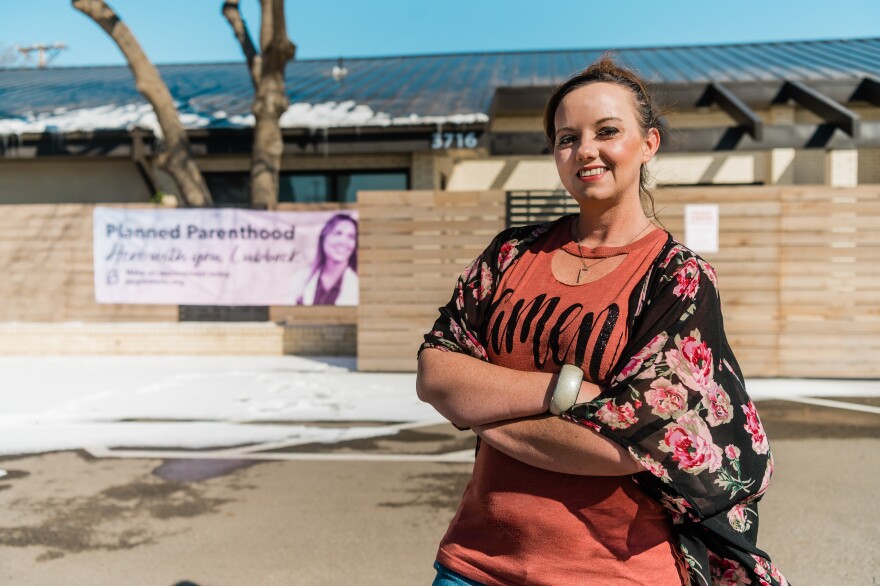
[[412, 247], [748, 265], [797, 267], [798, 271], [829, 295], [46, 258]]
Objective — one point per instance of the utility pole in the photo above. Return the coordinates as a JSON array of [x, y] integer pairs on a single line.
[[45, 53]]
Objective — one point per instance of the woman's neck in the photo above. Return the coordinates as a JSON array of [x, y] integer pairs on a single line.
[[332, 270], [613, 226]]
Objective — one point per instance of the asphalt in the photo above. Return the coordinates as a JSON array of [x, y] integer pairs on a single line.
[[353, 514]]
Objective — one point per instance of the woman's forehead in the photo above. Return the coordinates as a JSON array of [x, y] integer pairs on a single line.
[[344, 225], [597, 101]]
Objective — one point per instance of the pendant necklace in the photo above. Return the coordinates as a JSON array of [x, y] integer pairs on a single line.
[[583, 271]]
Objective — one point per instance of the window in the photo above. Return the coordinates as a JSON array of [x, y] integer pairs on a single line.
[[350, 183], [233, 189], [339, 186], [229, 189], [306, 188]]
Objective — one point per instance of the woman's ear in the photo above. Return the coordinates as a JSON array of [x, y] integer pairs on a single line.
[[650, 144]]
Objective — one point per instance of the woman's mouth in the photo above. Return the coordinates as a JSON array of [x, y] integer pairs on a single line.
[[592, 173]]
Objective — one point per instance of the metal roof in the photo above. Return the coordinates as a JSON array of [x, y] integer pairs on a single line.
[[434, 85]]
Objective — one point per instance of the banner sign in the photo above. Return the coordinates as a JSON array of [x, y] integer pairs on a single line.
[[225, 256]]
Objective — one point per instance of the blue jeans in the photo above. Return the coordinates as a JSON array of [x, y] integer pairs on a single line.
[[446, 577]]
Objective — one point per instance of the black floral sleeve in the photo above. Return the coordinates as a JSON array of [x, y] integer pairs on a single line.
[[677, 402], [461, 326]]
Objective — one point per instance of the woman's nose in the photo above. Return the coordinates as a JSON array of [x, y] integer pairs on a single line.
[[586, 150]]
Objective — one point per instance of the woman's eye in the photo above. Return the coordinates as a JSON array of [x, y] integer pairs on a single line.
[[607, 132], [565, 139]]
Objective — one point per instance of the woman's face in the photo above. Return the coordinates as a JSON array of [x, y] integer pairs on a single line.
[[341, 241], [599, 146]]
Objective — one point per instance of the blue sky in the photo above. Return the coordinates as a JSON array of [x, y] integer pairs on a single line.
[[191, 31]]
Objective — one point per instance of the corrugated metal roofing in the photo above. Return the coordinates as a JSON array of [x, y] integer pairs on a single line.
[[434, 85]]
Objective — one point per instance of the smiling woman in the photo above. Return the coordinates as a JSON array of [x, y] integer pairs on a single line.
[[332, 279], [647, 466]]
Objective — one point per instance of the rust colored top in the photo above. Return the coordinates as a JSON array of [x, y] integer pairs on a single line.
[[518, 524]]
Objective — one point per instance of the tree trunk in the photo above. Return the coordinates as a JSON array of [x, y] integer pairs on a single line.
[[176, 159], [270, 103]]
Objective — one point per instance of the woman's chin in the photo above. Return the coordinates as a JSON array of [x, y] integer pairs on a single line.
[[339, 258]]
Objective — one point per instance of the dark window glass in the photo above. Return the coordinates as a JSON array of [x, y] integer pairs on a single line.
[[350, 183], [229, 189], [304, 188], [233, 189]]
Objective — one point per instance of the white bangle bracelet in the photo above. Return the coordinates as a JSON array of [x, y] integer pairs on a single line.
[[568, 385]]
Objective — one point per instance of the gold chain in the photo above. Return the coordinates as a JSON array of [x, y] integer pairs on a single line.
[[582, 272]]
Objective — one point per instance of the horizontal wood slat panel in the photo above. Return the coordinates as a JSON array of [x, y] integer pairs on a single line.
[[412, 248], [797, 270], [46, 251]]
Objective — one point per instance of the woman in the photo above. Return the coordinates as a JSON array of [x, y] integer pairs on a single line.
[[652, 471], [332, 278]]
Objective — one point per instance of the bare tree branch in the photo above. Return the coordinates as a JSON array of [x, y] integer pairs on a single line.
[[177, 159], [239, 28]]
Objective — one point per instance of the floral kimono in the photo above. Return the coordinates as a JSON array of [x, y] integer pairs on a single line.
[[676, 401]]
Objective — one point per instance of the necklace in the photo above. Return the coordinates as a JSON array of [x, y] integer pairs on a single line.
[[577, 240]]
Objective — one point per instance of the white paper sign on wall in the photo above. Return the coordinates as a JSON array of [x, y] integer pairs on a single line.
[[701, 227]]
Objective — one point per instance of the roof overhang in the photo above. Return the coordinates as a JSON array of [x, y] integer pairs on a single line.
[[137, 143], [840, 127]]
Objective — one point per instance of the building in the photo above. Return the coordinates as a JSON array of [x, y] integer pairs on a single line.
[[745, 114]]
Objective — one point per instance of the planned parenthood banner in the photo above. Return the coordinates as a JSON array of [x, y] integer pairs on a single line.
[[225, 257]]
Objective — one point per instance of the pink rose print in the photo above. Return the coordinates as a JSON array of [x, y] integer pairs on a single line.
[[717, 403], [754, 427], [652, 465], [687, 277], [691, 361], [762, 574], [672, 252], [617, 416], [766, 570], [690, 443], [583, 422], [666, 399], [507, 254], [467, 341], [738, 519], [710, 272], [484, 291], [768, 472], [654, 346], [642, 296], [765, 481], [732, 452], [677, 507], [649, 373], [468, 271], [727, 572]]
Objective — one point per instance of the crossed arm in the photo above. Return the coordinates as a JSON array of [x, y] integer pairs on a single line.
[[508, 409]]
